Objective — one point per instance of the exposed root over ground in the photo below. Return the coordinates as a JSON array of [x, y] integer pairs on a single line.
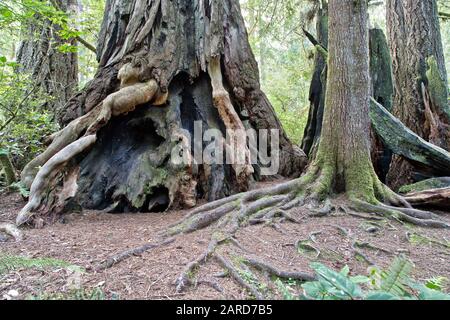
[[48, 173], [111, 261], [11, 230], [268, 204], [84, 240], [41, 174]]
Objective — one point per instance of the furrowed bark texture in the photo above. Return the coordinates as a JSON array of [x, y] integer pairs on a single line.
[[55, 72], [381, 90], [420, 96], [344, 148], [180, 37], [342, 164], [173, 43]]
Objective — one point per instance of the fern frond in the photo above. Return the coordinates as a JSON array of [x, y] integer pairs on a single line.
[[394, 278], [10, 262]]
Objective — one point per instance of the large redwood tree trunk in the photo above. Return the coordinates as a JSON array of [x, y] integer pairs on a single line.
[[420, 97], [193, 59]]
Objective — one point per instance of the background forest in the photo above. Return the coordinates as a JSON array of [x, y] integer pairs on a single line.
[[285, 59]]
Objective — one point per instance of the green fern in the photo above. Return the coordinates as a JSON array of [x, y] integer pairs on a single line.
[[20, 187], [10, 262], [437, 283], [284, 290], [393, 284], [78, 294], [395, 277]]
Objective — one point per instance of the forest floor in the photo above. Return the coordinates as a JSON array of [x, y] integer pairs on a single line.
[[89, 238]]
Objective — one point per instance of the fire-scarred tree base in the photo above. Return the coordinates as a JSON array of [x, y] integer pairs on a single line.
[[180, 63]]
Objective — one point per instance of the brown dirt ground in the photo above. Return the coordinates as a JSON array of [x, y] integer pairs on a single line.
[[87, 239]]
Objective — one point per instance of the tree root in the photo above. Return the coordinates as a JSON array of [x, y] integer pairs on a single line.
[[263, 205], [304, 245], [131, 94], [358, 253], [187, 276], [230, 214], [413, 216], [47, 174], [66, 144], [260, 205], [366, 217], [237, 209], [356, 244], [367, 245], [211, 284], [11, 230], [185, 279], [263, 266], [59, 141], [234, 273], [108, 263]]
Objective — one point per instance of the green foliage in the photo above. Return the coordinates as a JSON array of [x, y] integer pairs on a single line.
[[332, 285], [419, 239], [392, 284], [437, 283], [392, 281], [10, 263], [18, 186], [283, 56], [78, 294], [19, 15], [23, 119], [89, 21], [285, 290]]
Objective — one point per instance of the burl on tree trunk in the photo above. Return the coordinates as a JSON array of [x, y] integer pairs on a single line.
[[163, 66]]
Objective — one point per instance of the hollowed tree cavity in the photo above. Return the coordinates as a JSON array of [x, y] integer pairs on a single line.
[[162, 66], [123, 147], [129, 168]]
